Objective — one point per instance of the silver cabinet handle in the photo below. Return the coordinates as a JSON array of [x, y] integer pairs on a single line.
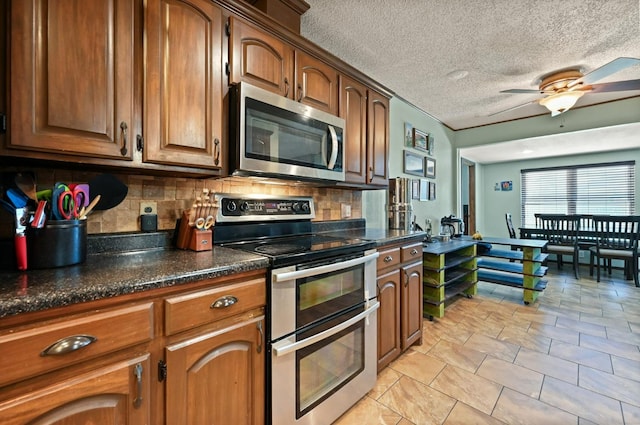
[[300, 93], [137, 371], [286, 87], [388, 258], [68, 345], [261, 335], [414, 251], [224, 302]]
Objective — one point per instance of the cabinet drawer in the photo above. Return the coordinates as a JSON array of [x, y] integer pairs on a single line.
[[25, 354], [197, 308], [411, 252], [388, 258]]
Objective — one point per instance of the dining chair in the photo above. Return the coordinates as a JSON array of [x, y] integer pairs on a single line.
[[616, 238], [561, 233], [510, 228]]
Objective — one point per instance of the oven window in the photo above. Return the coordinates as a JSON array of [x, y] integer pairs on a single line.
[[326, 294], [326, 366]]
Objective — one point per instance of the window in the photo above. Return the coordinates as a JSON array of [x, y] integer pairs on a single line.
[[580, 189]]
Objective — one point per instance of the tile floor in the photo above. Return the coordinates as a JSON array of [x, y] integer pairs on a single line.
[[572, 357]]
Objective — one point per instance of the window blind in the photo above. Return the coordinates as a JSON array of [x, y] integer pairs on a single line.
[[607, 188]]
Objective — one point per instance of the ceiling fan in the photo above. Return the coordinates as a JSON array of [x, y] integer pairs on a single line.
[[564, 88]]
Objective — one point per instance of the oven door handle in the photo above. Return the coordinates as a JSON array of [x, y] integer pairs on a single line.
[[331, 163], [298, 274], [284, 347]]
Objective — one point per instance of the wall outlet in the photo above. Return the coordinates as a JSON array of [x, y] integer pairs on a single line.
[[148, 207], [345, 210]]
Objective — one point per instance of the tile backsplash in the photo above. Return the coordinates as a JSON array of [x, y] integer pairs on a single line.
[[175, 194]]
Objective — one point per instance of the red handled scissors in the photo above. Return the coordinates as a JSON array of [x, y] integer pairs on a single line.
[[67, 202]]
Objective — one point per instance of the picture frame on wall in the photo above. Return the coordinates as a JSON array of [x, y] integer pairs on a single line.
[[430, 167], [432, 191], [424, 190], [430, 145], [408, 134], [420, 139], [415, 189], [413, 164]]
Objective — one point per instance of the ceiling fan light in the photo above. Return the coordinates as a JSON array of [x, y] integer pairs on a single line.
[[561, 102]]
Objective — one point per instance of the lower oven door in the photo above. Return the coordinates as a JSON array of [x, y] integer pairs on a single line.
[[320, 374]]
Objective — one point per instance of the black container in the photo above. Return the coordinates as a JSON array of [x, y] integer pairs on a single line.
[[59, 243]]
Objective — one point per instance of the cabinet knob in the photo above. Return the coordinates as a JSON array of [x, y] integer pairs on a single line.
[[388, 258], [414, 251]]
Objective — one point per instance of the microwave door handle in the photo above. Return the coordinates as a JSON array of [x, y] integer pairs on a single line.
[[299, 274], [285, 346], [334, 148]]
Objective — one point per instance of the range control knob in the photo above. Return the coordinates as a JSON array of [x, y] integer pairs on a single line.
[[305, 207], [244, 206], [295, 207], [231, 206]]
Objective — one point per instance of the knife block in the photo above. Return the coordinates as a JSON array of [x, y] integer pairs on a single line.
[[201, 240]]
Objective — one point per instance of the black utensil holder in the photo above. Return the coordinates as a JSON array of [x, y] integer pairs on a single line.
[[59, 243]]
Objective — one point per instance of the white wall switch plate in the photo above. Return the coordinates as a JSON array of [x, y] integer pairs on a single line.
[[345, 210]]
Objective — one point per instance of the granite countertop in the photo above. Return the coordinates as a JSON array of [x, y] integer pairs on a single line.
[[111, 274], [149, 262]]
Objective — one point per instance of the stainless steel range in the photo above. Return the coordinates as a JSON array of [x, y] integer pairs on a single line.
[[322, 306]]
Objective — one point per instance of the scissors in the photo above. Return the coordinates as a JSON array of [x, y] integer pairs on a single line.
[[67, 202]]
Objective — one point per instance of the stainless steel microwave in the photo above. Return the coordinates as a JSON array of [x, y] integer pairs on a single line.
[[273, 136]]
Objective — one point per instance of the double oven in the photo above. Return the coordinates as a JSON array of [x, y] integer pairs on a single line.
[[322, 307]]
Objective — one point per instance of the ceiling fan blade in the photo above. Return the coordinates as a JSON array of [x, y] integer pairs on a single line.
[[616, 86], [519, 91], [604, 71], [513, 107]]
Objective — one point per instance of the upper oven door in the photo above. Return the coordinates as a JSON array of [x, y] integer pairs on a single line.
[[306, 294], [279, 136]]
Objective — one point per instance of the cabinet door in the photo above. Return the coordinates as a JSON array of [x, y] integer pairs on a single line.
[[388, 318], [218, 378], [72, 94], [353, 109], [411, 304], [183, 96], [378, 140], [112, 395], [316, 83], [260, 59]]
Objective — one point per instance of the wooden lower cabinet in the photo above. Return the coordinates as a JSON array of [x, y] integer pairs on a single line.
[[400, 295], [115, 394], [218, 377], [190, 354]]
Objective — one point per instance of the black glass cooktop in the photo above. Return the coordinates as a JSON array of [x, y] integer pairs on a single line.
[[302, 248]]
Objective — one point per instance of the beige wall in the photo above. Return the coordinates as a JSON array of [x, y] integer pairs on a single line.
[[175, 194]]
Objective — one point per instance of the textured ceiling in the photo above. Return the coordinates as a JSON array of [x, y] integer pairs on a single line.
[[452, 58]]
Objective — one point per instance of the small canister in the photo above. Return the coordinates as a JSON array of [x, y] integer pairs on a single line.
[[59, 243]]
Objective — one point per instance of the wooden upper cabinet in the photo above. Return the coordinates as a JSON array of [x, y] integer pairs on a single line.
[[378, 140], [183, 97], [268, 62], [259, 58], [72, 94], [353, 109], [366, 115], [316, 83]]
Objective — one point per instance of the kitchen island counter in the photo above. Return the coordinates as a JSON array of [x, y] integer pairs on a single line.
[[107, 275]]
